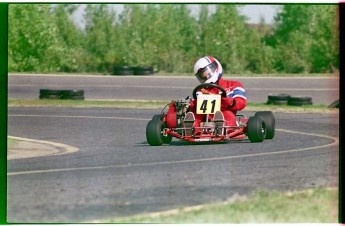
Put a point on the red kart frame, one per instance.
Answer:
(163, 127)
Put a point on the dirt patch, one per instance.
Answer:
(25, 149)
(28, 148)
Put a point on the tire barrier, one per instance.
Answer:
(145, 70)
(286, 99)
(129, 70)
(123, 70)
(72, 95)
(335, 104)
(49, 94)
(299, 101)
(62, 94)
(278, 99)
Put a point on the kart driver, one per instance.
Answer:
(208, 70)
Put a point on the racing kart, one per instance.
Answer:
(169, 123)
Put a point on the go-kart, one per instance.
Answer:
(169, 123)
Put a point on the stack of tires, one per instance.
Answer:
(72, 95)
(300, 100)
(129, 70)
(49, 94)
(278, 99)
(62, 94)
(286, 99)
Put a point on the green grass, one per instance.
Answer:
(157, 104)
(310, 206)
(11, 143)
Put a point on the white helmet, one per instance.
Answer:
(208, 70)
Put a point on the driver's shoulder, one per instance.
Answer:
(229, 83)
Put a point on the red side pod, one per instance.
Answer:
(171, 116)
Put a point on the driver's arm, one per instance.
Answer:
(236, 100)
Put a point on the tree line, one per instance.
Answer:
(43, 38)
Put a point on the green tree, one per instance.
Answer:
(72, 37)
(306, 38)
(100, 37)
(226, 37)
(261, 55)
(34, 43)
(135, 41)
(161, 35)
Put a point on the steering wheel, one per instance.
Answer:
(204, 85)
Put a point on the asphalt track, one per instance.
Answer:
(116, 173)
(323, 90)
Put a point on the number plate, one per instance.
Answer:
(208, 103)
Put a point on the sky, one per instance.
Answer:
(253, 11)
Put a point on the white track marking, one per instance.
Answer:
(67, 148)
(334, 143)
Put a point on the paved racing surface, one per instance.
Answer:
(116, 173)
(322, 90)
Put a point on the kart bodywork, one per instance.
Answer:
(163, 127)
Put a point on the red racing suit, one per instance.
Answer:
(235, 101)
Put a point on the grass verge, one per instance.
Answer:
(309, 206)
(11, 143)
(157, 104)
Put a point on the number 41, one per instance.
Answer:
(208, 104)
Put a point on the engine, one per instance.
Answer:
(177, 111)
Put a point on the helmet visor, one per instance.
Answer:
(206, 73)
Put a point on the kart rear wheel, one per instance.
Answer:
(166, 139)
(256, 130)
(269, 120)
(157, 117)
(154, 135)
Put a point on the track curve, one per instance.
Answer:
(115, 173)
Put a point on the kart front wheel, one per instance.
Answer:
(154, 135)
(269, 120)
(256, 129)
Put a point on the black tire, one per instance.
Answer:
(157, 117)
(166, 139)
(50, 92)
(128, 72)
(277, 102)
(256, 129)
(145, 70)
(300, 100)
(72, 97)
(72, 92)
(154, 133)
(123, 70)
(144, 73)
(300, 103)
(55, 97)
(278, 97)
(269, 120)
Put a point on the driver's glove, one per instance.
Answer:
(227, 102)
